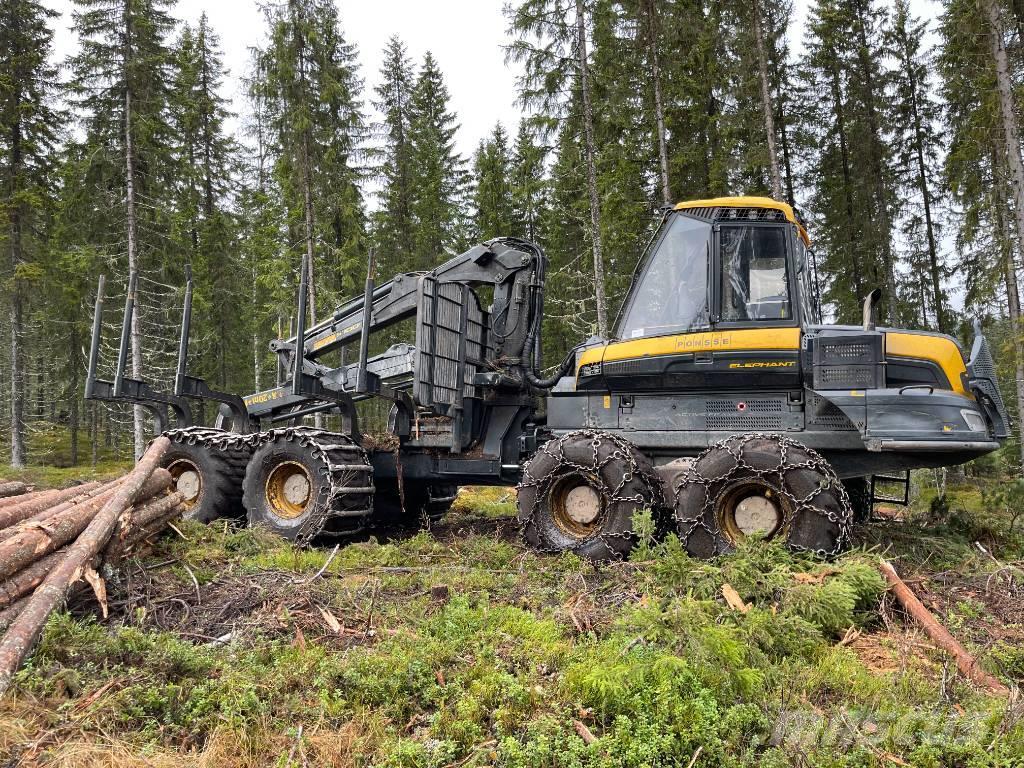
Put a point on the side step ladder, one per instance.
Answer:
(893, 481)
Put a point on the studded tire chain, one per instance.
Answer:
(335, 453)
(792, 455)
(639, 487)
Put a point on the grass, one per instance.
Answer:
(458, 647)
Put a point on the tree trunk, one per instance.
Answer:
(650, 12)
(17, 403)
(766, 103)
(889, 265)
(138, 414)
(591, 160)
(922, 180)
(74, 405)
(1011, 154)
(837, 95)
(307, 192)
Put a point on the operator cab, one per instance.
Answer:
(722, 263)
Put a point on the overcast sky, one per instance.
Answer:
(466, 37)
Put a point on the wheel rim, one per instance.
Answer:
(577, 507)
(288, 489)
(752, 508)
(188, 481)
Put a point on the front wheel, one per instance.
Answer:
(761, 485)
(580, 492)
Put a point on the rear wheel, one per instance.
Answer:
(303, 482)
(761, 485)
(209, 478)
(580, 491)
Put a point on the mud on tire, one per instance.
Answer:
(789, 491)
(580, 491)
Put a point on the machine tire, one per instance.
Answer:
(217, 474)
(616, 479)
(859, 491)
(296, 487)
(768, 484)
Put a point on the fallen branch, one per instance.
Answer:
(21, 636)
(965, 662)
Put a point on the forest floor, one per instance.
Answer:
(459, 647)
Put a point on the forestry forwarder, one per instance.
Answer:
(722, 404)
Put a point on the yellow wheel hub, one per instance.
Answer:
(289, 488)
(751, 509)
(576, 506)
(188, 481)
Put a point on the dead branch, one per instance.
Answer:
(965, 662)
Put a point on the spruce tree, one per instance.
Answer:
(28, 123)
(552, 44)
(493, 205)
(919, 147)
(120, 80)
(205, 164)
(529, 184)
(844, 141)
(393, 227)
(438, 173)
(311, 86)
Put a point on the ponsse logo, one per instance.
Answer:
(765, 364)
(704, 342)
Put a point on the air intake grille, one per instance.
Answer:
(744, 415)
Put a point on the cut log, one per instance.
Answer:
(36, 540)
(23, 510)
(11, 612)
(140, 523)
(21, 636)
(39, 515)
(965, 662)
(20, 499)
(13, 488)
(50, 530)
(27, 579)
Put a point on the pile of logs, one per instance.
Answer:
(50, 540)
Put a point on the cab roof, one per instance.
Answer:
(763, 203)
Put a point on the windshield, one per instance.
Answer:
(672, 294)
(755, 285)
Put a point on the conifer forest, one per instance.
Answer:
(893, 128)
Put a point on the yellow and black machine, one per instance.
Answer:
(722, 404)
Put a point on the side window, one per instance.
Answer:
(808, 306)
(754, 279)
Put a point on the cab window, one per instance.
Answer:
(754, 274)
(671, 295)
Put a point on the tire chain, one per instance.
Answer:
(335, 453)
(624, 450)
(686, 525)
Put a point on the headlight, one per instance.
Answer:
(974, 420)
